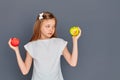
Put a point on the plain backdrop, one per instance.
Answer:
(99, 45)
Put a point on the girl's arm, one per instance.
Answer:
(72, 58)
(23, 65)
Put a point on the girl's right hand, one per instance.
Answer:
(12, 47)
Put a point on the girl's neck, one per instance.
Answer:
(42, 38)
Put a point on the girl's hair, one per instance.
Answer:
(40, 18)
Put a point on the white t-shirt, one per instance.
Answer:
(46, 58)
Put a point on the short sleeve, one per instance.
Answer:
(63, 44)
(28, 48)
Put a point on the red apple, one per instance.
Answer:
(15, 41)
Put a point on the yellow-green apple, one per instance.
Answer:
(74, 30)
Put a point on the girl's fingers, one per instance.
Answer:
(9, 42)
(79, 31)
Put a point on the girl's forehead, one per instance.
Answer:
(49, 21)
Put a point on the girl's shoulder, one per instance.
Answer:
(51, 40)
(30, 43)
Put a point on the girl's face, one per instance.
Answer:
(47, 28)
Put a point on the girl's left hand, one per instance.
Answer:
(78, 36)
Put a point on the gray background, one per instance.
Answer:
(99, 46)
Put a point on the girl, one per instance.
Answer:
(45, 50)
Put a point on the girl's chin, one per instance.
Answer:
(50, 35)
(47, 37)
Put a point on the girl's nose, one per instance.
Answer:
(51, 28)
